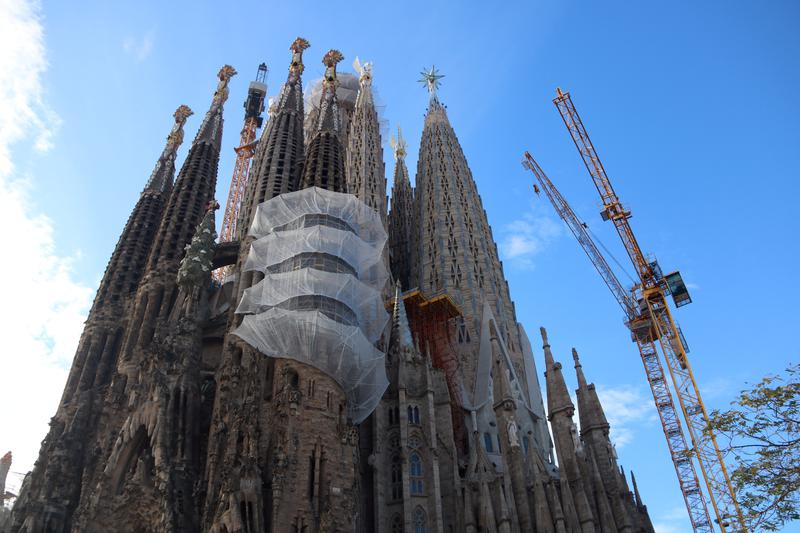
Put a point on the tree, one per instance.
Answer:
(761, 433)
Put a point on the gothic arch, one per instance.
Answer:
(420, 520)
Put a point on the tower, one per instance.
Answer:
(264, 405)
(366, 177)
(455, 254)
(54, 487)
(401, 221)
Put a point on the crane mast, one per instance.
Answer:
(654, 323)
(668, 414)
(254, 107)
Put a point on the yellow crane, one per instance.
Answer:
(651, 324)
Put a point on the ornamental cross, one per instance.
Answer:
(431, 79)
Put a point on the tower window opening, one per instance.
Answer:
(396, 478)
(417, 481)
(488, 443)
(420, 521)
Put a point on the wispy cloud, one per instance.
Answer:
(139, 47)
(627, 409)
(674, 520)
(524, 238)
(44, 307)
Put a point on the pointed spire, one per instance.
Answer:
(279, 154)
(401, 216)
(211, 129)
(366, 173)
(329, 118)
(325, 158)
(164, 171)
(399, 146)
(590, 410)
(557, 393)
(578, 369)
(636, 495)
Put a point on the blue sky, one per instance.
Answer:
(692, 106)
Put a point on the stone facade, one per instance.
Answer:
(171, 422)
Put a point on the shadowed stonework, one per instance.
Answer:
(358, 370)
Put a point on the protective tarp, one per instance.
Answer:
(275, 248)
(320, 313)
(339, 350)
(290, 207)
(363, 300)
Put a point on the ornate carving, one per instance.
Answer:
(224, 75)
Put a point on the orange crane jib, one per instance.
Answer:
(652, 326)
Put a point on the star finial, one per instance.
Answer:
(431, 79)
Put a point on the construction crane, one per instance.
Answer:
(645, 340)
(651, 324)
(253, 119)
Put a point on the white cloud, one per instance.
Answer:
(139, 48)
(674, 520)
(525, 237)
(43, 307)
(626, 407)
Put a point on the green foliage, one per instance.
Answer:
(761, 434)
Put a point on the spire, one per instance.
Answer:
(279, 154)
(211, 129)
(195, 185)
(590, 410)
(401, 216)
(636, 494)
(329, 118)
(325, 159)
(557, 393)
(161, 178)
(399, 146)
(366, 173)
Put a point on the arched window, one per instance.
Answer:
(487, 441)
(397, 524)
(416, 415)
(526, 442)
(410, 414)
(417, 481)
(396, 478)
(420, 521)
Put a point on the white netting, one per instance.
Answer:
(339, 350)
(320, 303)
(291, 207)
(275, 289)
(275, 248)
